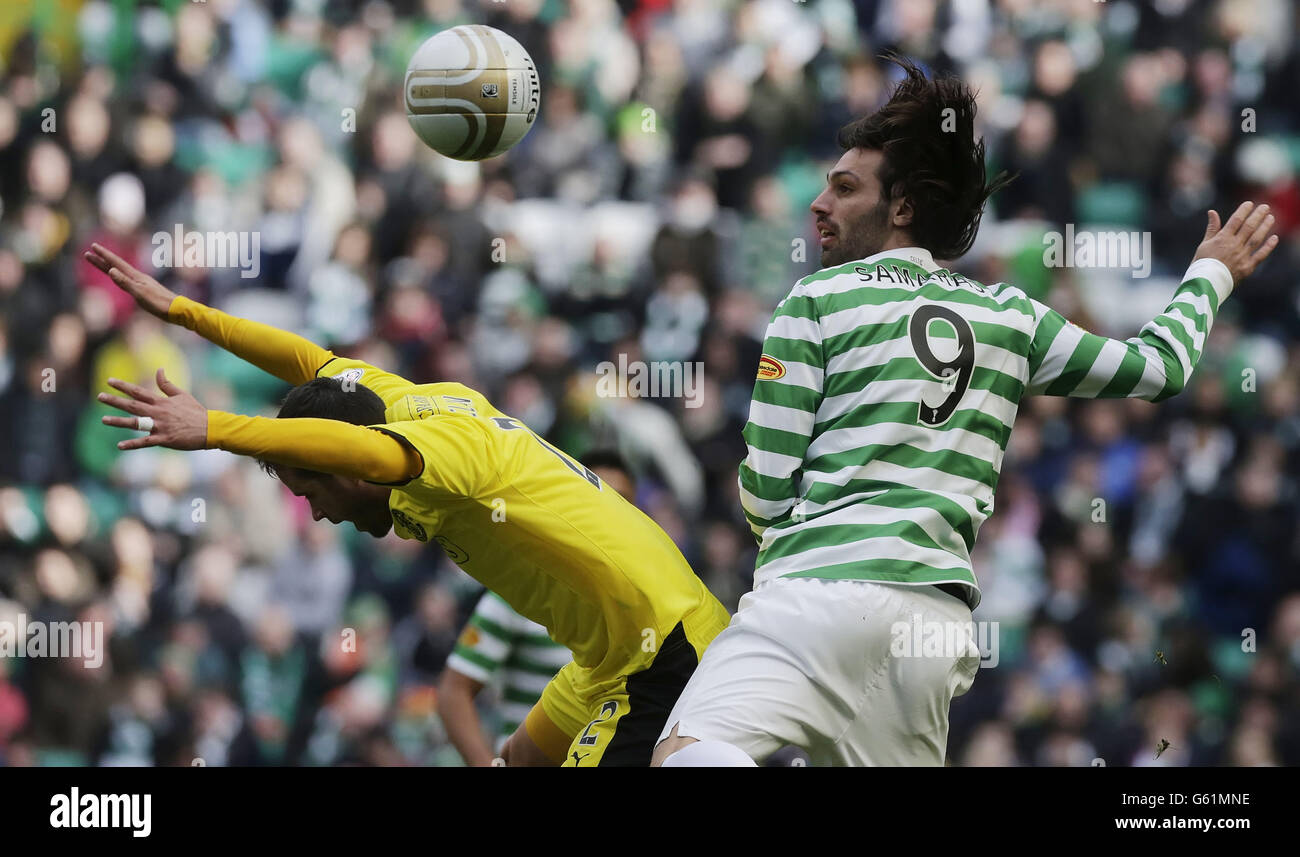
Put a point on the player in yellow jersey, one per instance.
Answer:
(437, 462)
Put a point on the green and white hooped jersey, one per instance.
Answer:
(498, 646)
(885, 397)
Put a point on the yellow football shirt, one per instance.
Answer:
(534, 525)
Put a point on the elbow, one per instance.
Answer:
(454, 688)
(391, 462)
(385, 473)
(1175, 383)
(456, 693)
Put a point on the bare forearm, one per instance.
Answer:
(285, 355)
(464, 729)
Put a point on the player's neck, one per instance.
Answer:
(897, 240)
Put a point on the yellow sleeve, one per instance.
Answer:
(325, 446)
(285, 355)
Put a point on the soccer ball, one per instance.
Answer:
(471, 92)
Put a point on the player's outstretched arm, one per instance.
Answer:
(787, 393)
(176, 420)
(1065, 360)
(285, 355)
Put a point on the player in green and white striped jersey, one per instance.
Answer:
(497, 646)
(885, 398)
(895, 383)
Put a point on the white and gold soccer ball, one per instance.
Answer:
(471, 92)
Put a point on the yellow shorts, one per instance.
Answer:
(617, 722)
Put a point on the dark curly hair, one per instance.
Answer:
(930, 157)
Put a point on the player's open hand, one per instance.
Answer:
(175, 419)
(152, 296)
(1241, 243)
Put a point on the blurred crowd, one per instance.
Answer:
(1143, 563)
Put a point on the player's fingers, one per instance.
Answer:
(126, 281)
(135, 391)
(1238, 217)
(113, 259)
(1252, 221)
(167, 386)
(129, 405)
(132, 423)
(141, 442)
(97, 260)
(1212, 225)
(1264, 250)
(1259, 233)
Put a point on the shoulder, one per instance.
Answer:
(998, 297)
(805, 296)
(1005, 293)
(826, 280)
(348, 369)
(441, 399)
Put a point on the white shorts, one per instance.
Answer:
(832, 666)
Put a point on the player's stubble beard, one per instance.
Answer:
(379, 518)
(859, 238)
(369, 511)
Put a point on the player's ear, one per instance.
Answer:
(901, 214)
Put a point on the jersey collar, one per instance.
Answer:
(918, 256)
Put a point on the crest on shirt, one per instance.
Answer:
(349, 379)
(769, 368)
(405, 522)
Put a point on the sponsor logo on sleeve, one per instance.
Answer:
(769, 369)
(454, 551)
